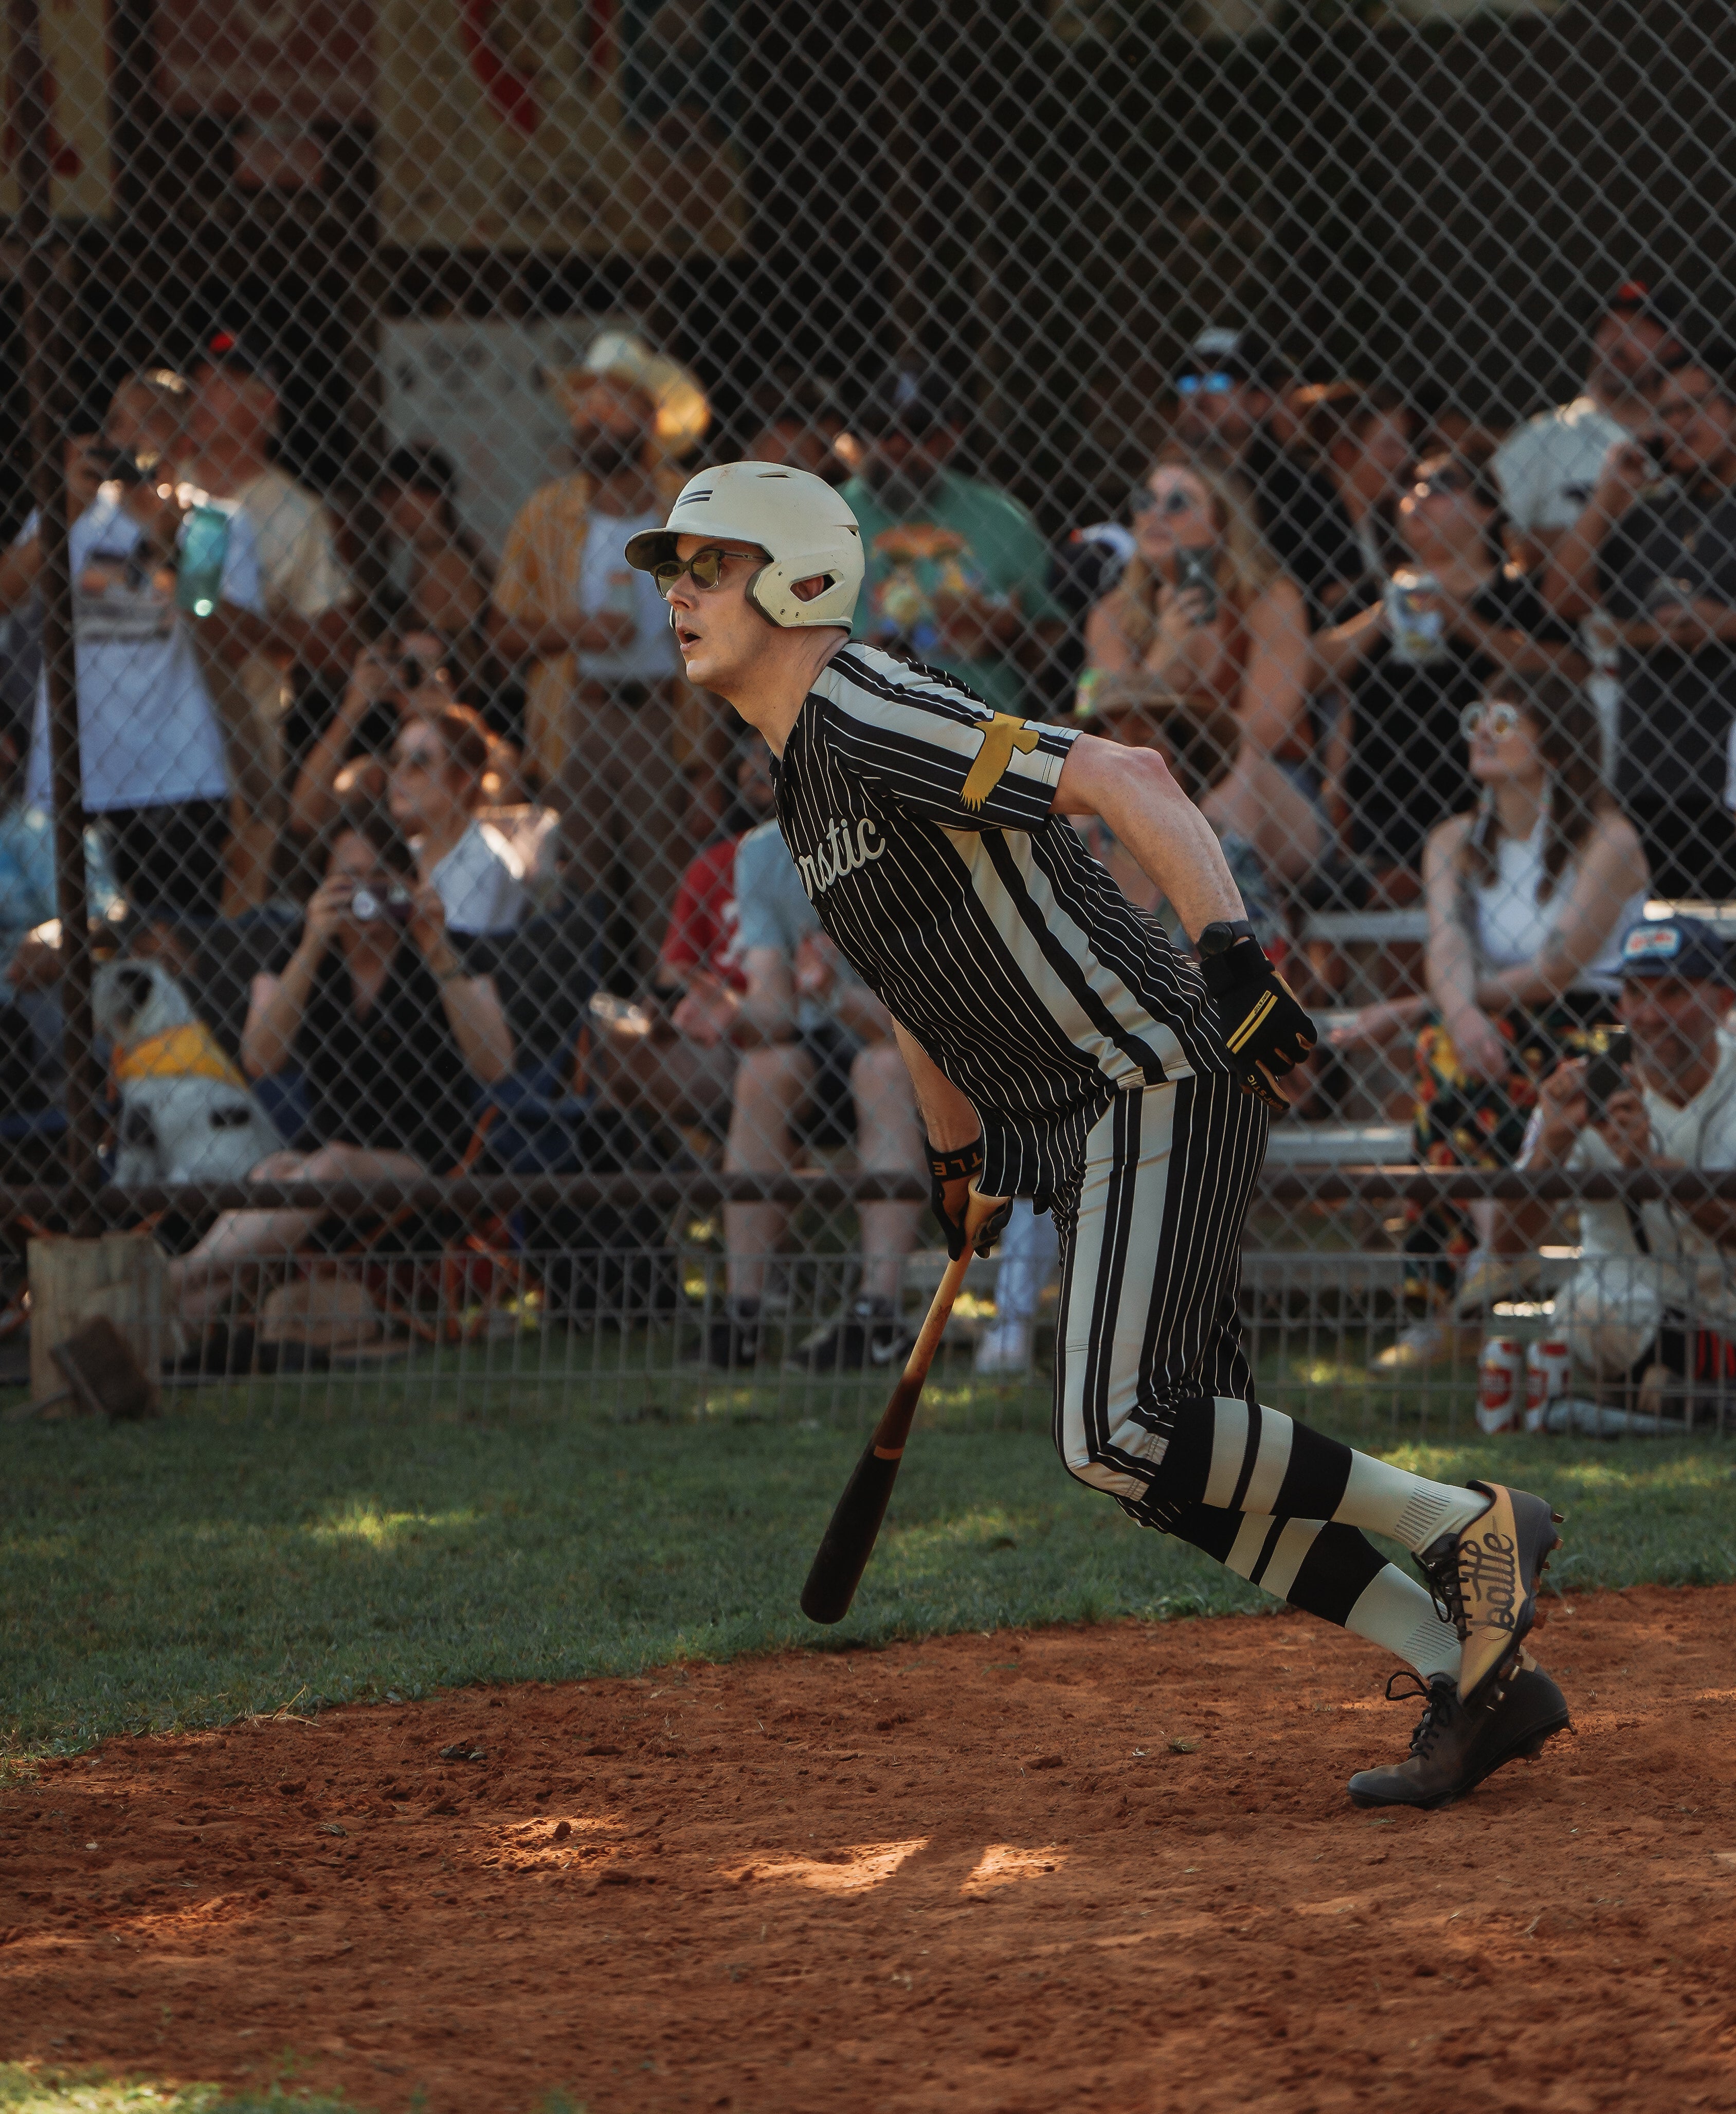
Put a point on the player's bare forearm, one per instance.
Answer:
(1132, 790)
(947, 1114)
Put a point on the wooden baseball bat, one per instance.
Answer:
(848, 1541)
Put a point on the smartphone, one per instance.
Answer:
(1196, 566)
(1606, 1074)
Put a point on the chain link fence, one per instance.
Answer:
(403, 974)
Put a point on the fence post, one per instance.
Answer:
(48, 368)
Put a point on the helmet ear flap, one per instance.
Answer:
(752, 591)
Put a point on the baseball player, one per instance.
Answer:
(1062, 1049)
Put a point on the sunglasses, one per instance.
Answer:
(425, 761)
(1443, 484)
(705, 569)
(1210, 385)
(1497, 721)
(1145, 500)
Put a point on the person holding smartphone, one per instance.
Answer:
(1654, 548)
(1203, 613)
(1651, 1308)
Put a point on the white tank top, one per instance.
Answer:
(1513, 919)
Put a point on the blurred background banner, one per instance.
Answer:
(549, 125)
(75, 53)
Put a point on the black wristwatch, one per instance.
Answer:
(1221, 936)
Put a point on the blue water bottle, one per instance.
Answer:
(205, 544)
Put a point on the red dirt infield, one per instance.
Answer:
(1112, 1868)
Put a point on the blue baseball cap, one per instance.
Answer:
(1684, 947)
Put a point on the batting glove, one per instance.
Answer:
(1265, 1029)
(950, 1175)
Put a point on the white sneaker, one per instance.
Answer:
(1004, 1347)
(1426, 1343)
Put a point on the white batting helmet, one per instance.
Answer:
(797, 519)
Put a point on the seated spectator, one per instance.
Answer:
(1230, 634)
(392, 1040)
(1364, 441)
(674, 1057)
(957, 570)
(442, 581)
(817, 1063)
(1201, 748)
(1548, 470)
(153, 743)
(1651, 1303)
(797, 425)
(402, 675)
(1529, 890)
(1458, 618)
(30, 940)
(440, 760)
(1230, 399)
(1658, 554)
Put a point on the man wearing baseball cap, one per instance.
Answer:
(957, 570)
(1229, 394)
(1652, 1302)
(1062, 1047)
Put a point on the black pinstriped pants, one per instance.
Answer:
(1149, 1367)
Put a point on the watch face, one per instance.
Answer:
(1216, 939)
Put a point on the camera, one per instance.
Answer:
(396, 906)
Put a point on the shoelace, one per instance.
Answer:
(1441, 1578)
(1438, 1699)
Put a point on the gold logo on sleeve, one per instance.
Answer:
(1001, 735)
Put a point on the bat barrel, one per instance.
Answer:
(849, 1539)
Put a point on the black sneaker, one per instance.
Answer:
(1457, 1745)
(732, 1338)
(864, 1337)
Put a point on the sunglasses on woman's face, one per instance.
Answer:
(1442, 483)
(705, 568)
(1175, 500)
(1208, 385)
(423, 761)
(1497, 721)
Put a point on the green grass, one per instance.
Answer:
(25, 2089)
(236, 1559)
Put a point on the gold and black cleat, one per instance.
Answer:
(1485, 1580)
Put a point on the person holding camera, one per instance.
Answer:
(1652, 1302)
(1656, 548)
(391, 1037)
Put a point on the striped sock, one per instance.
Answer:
(1229, 1456)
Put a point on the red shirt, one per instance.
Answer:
(703, 923)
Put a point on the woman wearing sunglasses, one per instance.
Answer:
(1204, 616)
(1529, 890)
(1429, 641)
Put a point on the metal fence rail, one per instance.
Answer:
(349, 341)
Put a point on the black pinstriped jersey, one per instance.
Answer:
(922, 825)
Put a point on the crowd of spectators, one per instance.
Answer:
(463, 824)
